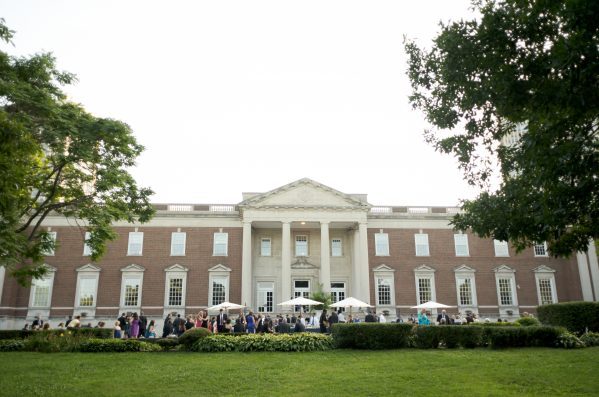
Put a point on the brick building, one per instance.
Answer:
(284, 243)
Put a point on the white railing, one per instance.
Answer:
(418, 210)
(381, 210)
(453, 210)
(179, 207)
(222, 208)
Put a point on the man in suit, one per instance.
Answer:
(370, 318)
(283, 327)
(333, 319)
(443, 318)
(221, 319)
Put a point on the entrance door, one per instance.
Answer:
(338, 292)
(265, 292)
(301, 288)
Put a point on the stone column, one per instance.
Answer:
(364, 268)
(286, 263)
(246, 265)
(325, 257)
(356, 281)
(594, 265)
(585, 279)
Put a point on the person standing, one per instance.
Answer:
(134, 327)
(422, 318)
(221, 320)
(333, 319)
(143, 323)
(250, 323)
(323, 322)
(443, 318)
(167, 328)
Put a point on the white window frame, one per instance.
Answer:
(132, 272)
(2, 274)
(49, 278)
(307, 243)
(462, 273)
(421, 239)
(175, 244)
(302, 290)
(215, 273)
(336, 291)
(544, 245)
(87, 250)
(387, 274)
(425, 272)
(134, 235)
(51, 236)
(501, 248)
(545, 273)
(263, 249)
(381, 244)
(461, 240)
(337, 251)
(87, 272)
(220, 239)
(265, 287)
(505, 272)
(175, 272)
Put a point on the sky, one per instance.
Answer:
(246, 96)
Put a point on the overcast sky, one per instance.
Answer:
(233, 96)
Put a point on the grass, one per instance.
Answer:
(513, 372)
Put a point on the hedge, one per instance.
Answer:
(372, 336)
(101, 333)
(116, 346)
(192, 335)
(264, 342)
(11, 345)
(575, 316)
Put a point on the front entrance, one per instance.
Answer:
(337, 292)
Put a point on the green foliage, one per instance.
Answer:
(543, 336)
(57, 158)
(590, 339)
(527, 321)
(104, 333)
(116, 346)
(11, 345)
(13, 334)
(166, 344)
(493, 324)
(321, 296)
(575, 316)
(192, 335)
(371, 335)
(568, 340)
(51, 342)
(520, 63)
(300, 342)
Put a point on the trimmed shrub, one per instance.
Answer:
(116, 346)
(542, 336)
(192, 335)
(527, 321)
(264, 342)
(103, 333)
(568, 340)
(372, 336)
(489, 324)
(575, 316)
(590, 339)
(14, 334)
(11, 345)
(166, 344)
(428, 336)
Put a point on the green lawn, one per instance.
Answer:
(514, 372)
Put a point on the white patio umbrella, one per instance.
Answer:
(432, 305)
(299, 301)
(350, 302)
(226, 306)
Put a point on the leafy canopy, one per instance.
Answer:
(526, 70)
(56, 158)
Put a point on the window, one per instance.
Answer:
(87, 291)
(218, 285)
(501, 248)
(175, 283)
(301, 245)
(337, 291)
(461, 244)
(41, 289)
(266, 247)
(381, 244)
(383, 291)
(545, 278)
(87, 288)
(336, 247)
(136, 242)
(131, 286)
(465, 291)
(424, 290)
(132, 291)
(421, 241)
(178, 243)
(87, 250)
(301, 288)
(384, 284)
(221, 242)
(540, 249)
(49, 237)
(505, 292)
(425, 284)
(265, 292)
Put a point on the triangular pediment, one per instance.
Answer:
(383, 268)
(424, 269)
(304, 193)
(219, 268)
(88, 268)
(464, 269)
(176, 268)
(543, 269)
(133, 268)
(504, 269)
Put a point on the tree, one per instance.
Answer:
(527, 70)
(56, 158)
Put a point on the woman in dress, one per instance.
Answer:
(422, 318)
(250, 323)
(134, 327)
(151, 330)
(117, 330)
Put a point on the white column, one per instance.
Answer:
(364, 269)
(585, 279)
(325, 257)
(356, 281)
(594, 265)
(286, 263)
(246, 265)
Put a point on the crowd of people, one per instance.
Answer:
(39, 325)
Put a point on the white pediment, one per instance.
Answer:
(49, 268)
(88, 268)
(383, 268)
(133, 268)
(464, 269)
(219, 268)
(543, 269)
(304, 193)
(424, 269)
(176, 268)
(504, 269)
